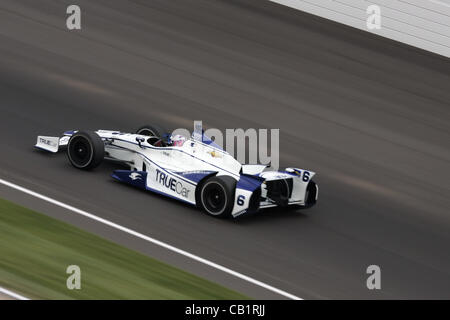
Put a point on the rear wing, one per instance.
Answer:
(51, 144)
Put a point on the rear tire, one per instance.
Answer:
(152, 130)
(155, 131)
(216, 196)
(85, 150)
(310, 197)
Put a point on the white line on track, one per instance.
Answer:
(12, 294)
(152, 240)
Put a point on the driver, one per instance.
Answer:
(177, 140)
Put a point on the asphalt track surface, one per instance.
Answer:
(370, 116)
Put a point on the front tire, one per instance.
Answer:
(85, 150)
(216, 196)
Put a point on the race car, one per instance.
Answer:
(194, 169)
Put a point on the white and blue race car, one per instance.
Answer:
(194, 170)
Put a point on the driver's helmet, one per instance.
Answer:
(177, 140)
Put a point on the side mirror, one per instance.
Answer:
(139, 141)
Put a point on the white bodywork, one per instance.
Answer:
(175, 171)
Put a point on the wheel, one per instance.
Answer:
(310, 197)
(155, 131)
(85, 150)
(216, 196)
(152, 130)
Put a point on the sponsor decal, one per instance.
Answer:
(171, 183)
(64, 140)
(196, 171)
(135, 176)
(215, 154)
(273, 175)
(47, 142)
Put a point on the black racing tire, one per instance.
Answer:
(85, 150)
(310, 197)
(216, 196)
(152, 130)
(155, 131)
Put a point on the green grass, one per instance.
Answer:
(35, 251)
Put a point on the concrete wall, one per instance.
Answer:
(420, 23)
